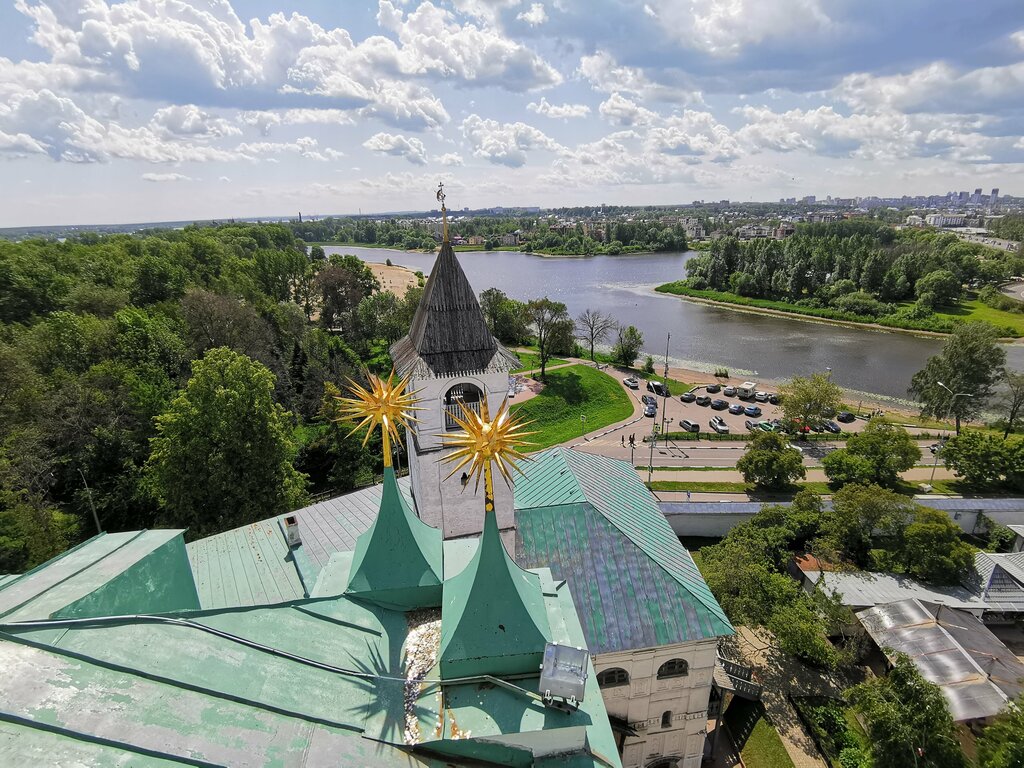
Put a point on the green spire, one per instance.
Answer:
(493, 621)
(397, 562)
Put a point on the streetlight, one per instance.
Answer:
(943, 438)
(583, 426)
(664, 405)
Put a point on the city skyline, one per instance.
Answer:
(134, 112)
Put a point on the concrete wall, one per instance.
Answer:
(645, 700)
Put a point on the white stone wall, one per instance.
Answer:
(446, 504)
(643, 702)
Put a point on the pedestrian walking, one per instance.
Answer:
(622, 440)
(687, 495)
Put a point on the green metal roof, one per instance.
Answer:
(397, 561)
(494, 620)
(116, 573)
(594, 523)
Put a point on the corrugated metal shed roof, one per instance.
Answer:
(973, 504)
(998, 579)
(253, 565)
(976, 673)
(77, 573)
(592, 521)
(5, 577)
(859, 589)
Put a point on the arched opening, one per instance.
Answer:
(673, 668)
(459, 399)
(609, 678)
(666, 719)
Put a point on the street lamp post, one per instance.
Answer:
(943, 438)
(583, 426)
(664, 405)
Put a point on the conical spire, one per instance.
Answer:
(493, 621)
(398, 561)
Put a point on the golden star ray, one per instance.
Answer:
(385, 404)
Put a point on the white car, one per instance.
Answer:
(631, 382)
(718, 425)
(761, 397)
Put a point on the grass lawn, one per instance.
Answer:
(722, 487)
(531, 361)
(569, 393)
(756, 738)
(971, 309)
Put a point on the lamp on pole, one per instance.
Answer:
(943, 438)
(583, 426)
(664, 405)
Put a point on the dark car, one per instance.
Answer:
(736, 409)
(657, 388)
(689, 426)
(713, 388)
(774, 399)
(687, 397)
(818, 427)
(845, 416)
(752, 410)
(648, 400)
(650, 410)
(832, 427)
(703, 400)
(719, 405)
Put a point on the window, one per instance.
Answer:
(673, 668)
(458, 400)
(666, 719)
(612, 677)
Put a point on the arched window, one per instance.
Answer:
(459, 399)
(611, 677)
(673, 668)
(666, 719)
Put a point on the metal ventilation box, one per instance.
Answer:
(291, 530)
(563, 673)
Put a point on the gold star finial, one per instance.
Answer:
(385, 404)
(483, 441)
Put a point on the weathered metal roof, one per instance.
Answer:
(976, 673)
(253, 565)
(861, 589)
(593, 522)
(107, 574)
(998, 579)
(449, 335)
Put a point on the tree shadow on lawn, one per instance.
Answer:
(568, 386)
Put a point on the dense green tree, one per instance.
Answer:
(1012, 399)
(887, 449)
(859, 514)
(932, 550)
(978, 457)
(844, 468)
(551, 326)
(770, 462)
(942, 284)
(1001, 744)
(907, 720)
(627, 345)
(970, 365)
(810, 400)
(223, 453)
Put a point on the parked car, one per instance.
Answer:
(657, 388)
(935, 448)
(752, 410)
(718, 424)
(736, 409)
(703, 400)
(687, 397)
(818, 426)
(832, 427)
(713, 388)
(719, 405)
(774, 399)
(845, 416)
(729, 391)
(796, 447)
(751, 425)
(689, 426)
(766, 426)
(631, 382)
(649, 400)
(650, 410)
(761, 397)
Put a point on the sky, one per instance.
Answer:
(163, 110)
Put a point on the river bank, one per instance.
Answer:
(751, 306)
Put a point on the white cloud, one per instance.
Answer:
(505, 143)
(488, 11)
(1018, 38)
(160, 177)
(411, 149)
(225, 179)
(535, 16)
(305, 146)
(619, 110)
(189, 121)
(558, 111)
(264, 120)
(450, 158)
(607, 75)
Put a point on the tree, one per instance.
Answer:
(770, 462)
(810, 400)
(223, 452)
(860, 513)
(971, 362)
(507, 318)
(886, 448)
(932, 549)
(594, 326)
(942, 284)
(1001, 744)
(908, 722)
(1013, 399)
(627, 346)
(844, 468)
(979, 458)
(550, 321)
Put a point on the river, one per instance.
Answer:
(703, 337)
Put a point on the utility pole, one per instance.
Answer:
(943, 438)
(665, 384)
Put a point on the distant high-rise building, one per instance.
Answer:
(809, 200)
(994, 197)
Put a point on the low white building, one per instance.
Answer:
(945, 219)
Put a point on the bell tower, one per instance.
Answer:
(454, 364)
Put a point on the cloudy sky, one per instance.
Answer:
(149, 110)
